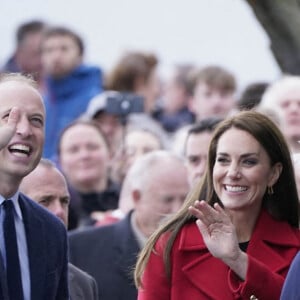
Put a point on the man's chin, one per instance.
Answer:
(58, 73)
(24, 170)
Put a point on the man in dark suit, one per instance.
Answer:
(47, 186)
(157, 184)
(41, 238)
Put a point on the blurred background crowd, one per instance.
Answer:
(112, 96)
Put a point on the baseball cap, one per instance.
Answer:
(98, 103)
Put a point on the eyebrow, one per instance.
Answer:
(194, 155)
(243, 155)
(38, 115)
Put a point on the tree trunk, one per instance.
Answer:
(281, 21)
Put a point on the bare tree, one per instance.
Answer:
(281, 21)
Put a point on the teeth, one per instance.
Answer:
(231, 188)
(20, 154)
(20, 147)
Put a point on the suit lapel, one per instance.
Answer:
(75, 290)
(267, 237)
(126, 247)
(199, 262)
(35, 235)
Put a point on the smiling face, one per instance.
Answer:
(24, 150)
(84, 157)
(242, 171)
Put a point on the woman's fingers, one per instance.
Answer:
(203, 229)
(207, 214)
(199, 211)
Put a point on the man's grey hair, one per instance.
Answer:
(18, 77)
(141, 170)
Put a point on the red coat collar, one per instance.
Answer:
(268, 235)
(267, 231)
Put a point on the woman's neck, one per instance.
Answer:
(244, 223)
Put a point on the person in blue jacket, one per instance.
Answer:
(69, 83)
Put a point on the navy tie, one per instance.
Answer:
(13, 270)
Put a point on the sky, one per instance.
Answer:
(203, 32)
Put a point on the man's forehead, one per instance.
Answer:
(14, 88)
(17, 81)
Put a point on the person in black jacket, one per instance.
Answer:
(158, 185)
(47, 186)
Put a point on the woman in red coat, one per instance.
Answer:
(239, 243)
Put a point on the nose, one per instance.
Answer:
(200, 168)
(23, 127)
(58, 210)
(234, 171)
(294, 106)
(83, 153)
(216, 99)
(55, 53)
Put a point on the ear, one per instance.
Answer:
(136, 196)
(191, 104)
(276, 171)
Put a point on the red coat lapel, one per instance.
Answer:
(198, 265)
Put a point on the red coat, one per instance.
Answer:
(197, 275)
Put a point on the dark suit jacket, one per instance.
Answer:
(82, 286)
(47, 252)
(108, 253)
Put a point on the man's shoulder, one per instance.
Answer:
(91, 233)
(97, 236)
(79, 274)
(78, 279)
(83, 71)
(10, 65)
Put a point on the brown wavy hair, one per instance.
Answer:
(282, 205)
(131, 67)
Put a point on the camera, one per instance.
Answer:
(122, 104)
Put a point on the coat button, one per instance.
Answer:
(252, 297)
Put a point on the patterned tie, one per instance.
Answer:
(13, 272)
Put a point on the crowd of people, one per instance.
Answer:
(161, 188)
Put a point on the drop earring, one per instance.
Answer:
(270, 190)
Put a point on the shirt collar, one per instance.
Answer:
(15, 201)
(141, 238)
